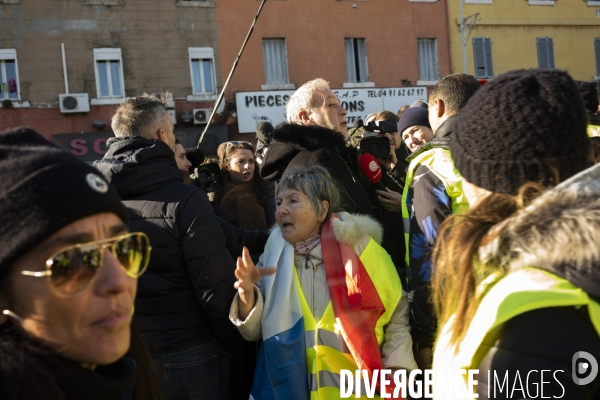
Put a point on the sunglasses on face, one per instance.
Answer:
(237, 143)
(71, 270)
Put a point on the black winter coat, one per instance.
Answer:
(301, 147)
(544, 339)
(183, 298)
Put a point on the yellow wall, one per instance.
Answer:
(514, 25)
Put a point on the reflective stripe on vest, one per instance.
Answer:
(326, 351)
(440, 163)
(519, 292)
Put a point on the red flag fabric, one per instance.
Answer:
(355, 300)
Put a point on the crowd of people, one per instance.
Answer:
(476, 249)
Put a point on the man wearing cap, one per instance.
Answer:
(432, 192)
(183, 302)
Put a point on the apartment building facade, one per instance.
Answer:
(113, 49)
(546, 34)
(376, 54)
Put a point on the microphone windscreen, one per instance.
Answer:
(264, 131)
(370, 168)
(196, 157)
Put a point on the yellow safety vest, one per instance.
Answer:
(440, 162)
(326, 350)
(593, 130)
(519, 292)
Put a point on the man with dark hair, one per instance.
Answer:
(446, 99)
(432, 192)
(183, 301)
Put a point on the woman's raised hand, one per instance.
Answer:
(247, 275)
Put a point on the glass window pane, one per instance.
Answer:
(196, 76)
(11, 80)
(103, 78)
(115, 77)
(207, 70)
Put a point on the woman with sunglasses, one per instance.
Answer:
(245, 197)
(68, 277)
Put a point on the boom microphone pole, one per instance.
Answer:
(235, 63)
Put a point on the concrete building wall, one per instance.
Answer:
(513, 27)
(315, 30)
(153, 36)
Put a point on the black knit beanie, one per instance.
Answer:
(43, 189)
(414, 115)
(523, 126)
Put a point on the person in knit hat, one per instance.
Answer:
(432, 193)
(68, 276)
(517, 267)
(414, 128)
(589, 93)
(531, 114)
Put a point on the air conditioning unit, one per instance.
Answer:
(74, 103)
(201, 115)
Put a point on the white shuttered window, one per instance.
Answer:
(356, 60)
(545, 49)
(275, 58)
(428, 59)
(482, 54)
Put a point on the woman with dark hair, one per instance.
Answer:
(329, 298)
(516, 282)
(68, 279)
(245, 197)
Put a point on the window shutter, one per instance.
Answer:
(428, 62)
(275, 61)
(350, 63)
(489, 65)
(479, 57)
(550, 44)
(597, 51)
(362, 60)
(545, 47)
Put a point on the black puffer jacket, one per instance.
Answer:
(183, 298)
(298, 146)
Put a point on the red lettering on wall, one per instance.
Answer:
(79, 147)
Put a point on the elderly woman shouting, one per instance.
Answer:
(330, 299)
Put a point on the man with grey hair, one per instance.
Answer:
(314, 103)
(183, 303)
(316, 135)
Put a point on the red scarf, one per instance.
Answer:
(355, 301)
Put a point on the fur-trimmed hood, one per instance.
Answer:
(290, 139)
(353, 228)
(307, 137)
(559, 232)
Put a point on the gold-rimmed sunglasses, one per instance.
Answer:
(72, 269)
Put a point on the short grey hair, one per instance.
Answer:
(317, 184)
(303, 99)
(139, 116)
